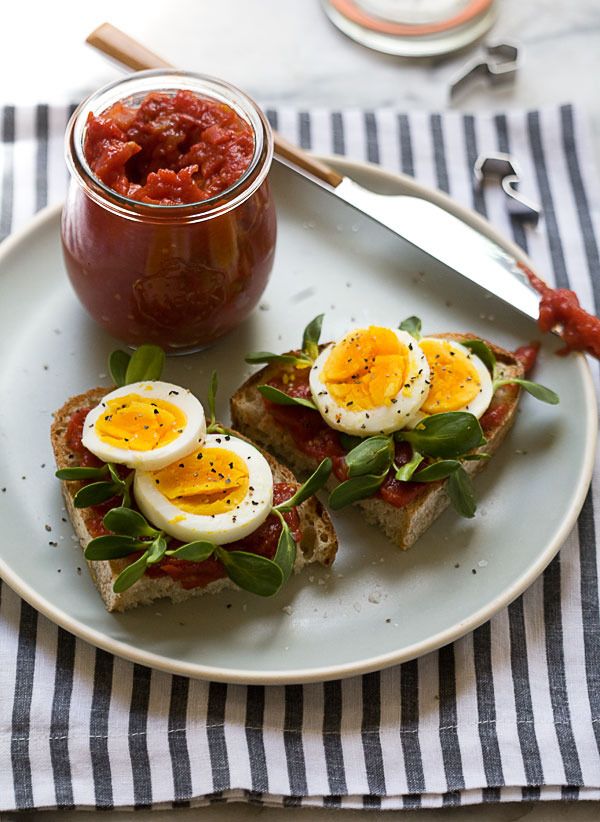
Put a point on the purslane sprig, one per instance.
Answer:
(109, 484)
(486, 355)
(442, 439)
(146, 363)
(213, 426)
(308, 354)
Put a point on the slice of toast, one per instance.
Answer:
(403, 526)
(318, 543)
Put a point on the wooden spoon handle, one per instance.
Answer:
(125, 50)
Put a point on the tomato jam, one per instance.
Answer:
(560, 308)
(170, 149)
(169, 226)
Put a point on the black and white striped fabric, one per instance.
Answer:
(509, 712)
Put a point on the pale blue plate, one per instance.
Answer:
(377, 606)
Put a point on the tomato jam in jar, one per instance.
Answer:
(169, 230)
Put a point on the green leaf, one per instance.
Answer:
(285, 556)
(261, 357)
(310, 338)
(349, 441)
(94, 494)
(146, 364)
(404, 472)
(316, 481)
(460, 490)
(437, 471)
(251, 572)
(355, 489)
(483, 351)
(212, 396)
(373, 456)
(540, 392)
(476, 457)
(157, 549)
(81, 473)
(445, 435)
(112, 546)
(412, 325)
(131, 574)
(125, 521)
(118, 363)
(273, 394)
(114, 475)
(193, 551)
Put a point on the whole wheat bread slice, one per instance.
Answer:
(318, 544)
(403, 526)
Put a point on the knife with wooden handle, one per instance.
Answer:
(420, 222)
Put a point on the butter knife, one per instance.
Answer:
(422, 223)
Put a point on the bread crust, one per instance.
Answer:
(318, 544)
(403, 526)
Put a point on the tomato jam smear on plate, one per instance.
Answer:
(171, 149)
(560, 308)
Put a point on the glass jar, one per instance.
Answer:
(179, 276)
(413, 28)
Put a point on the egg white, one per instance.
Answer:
(220, 529)
(192, 436)
(480, 403)
(383, 419)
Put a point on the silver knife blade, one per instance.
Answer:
(447, 239)
(441, 235)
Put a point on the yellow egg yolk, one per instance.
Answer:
(366, 369)
(209, 481)
(139, 423)
(454, 379)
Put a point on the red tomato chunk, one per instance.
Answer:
(172, 149)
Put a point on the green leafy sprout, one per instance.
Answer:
(307, 355)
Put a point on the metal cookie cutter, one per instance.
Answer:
(503, 169)
(498, 68)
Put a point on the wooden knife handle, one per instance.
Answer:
(128, 52)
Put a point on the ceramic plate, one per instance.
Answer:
(377, 606)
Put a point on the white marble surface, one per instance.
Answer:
(286, 52)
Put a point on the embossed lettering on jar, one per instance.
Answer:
(169, 226)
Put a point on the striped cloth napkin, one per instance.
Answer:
(509, 712)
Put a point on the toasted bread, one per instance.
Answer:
(403, 526)
(318, 544)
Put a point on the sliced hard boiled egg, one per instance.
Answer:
(459, 379)
(220, 493)
(372, 381)
(145, 425)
